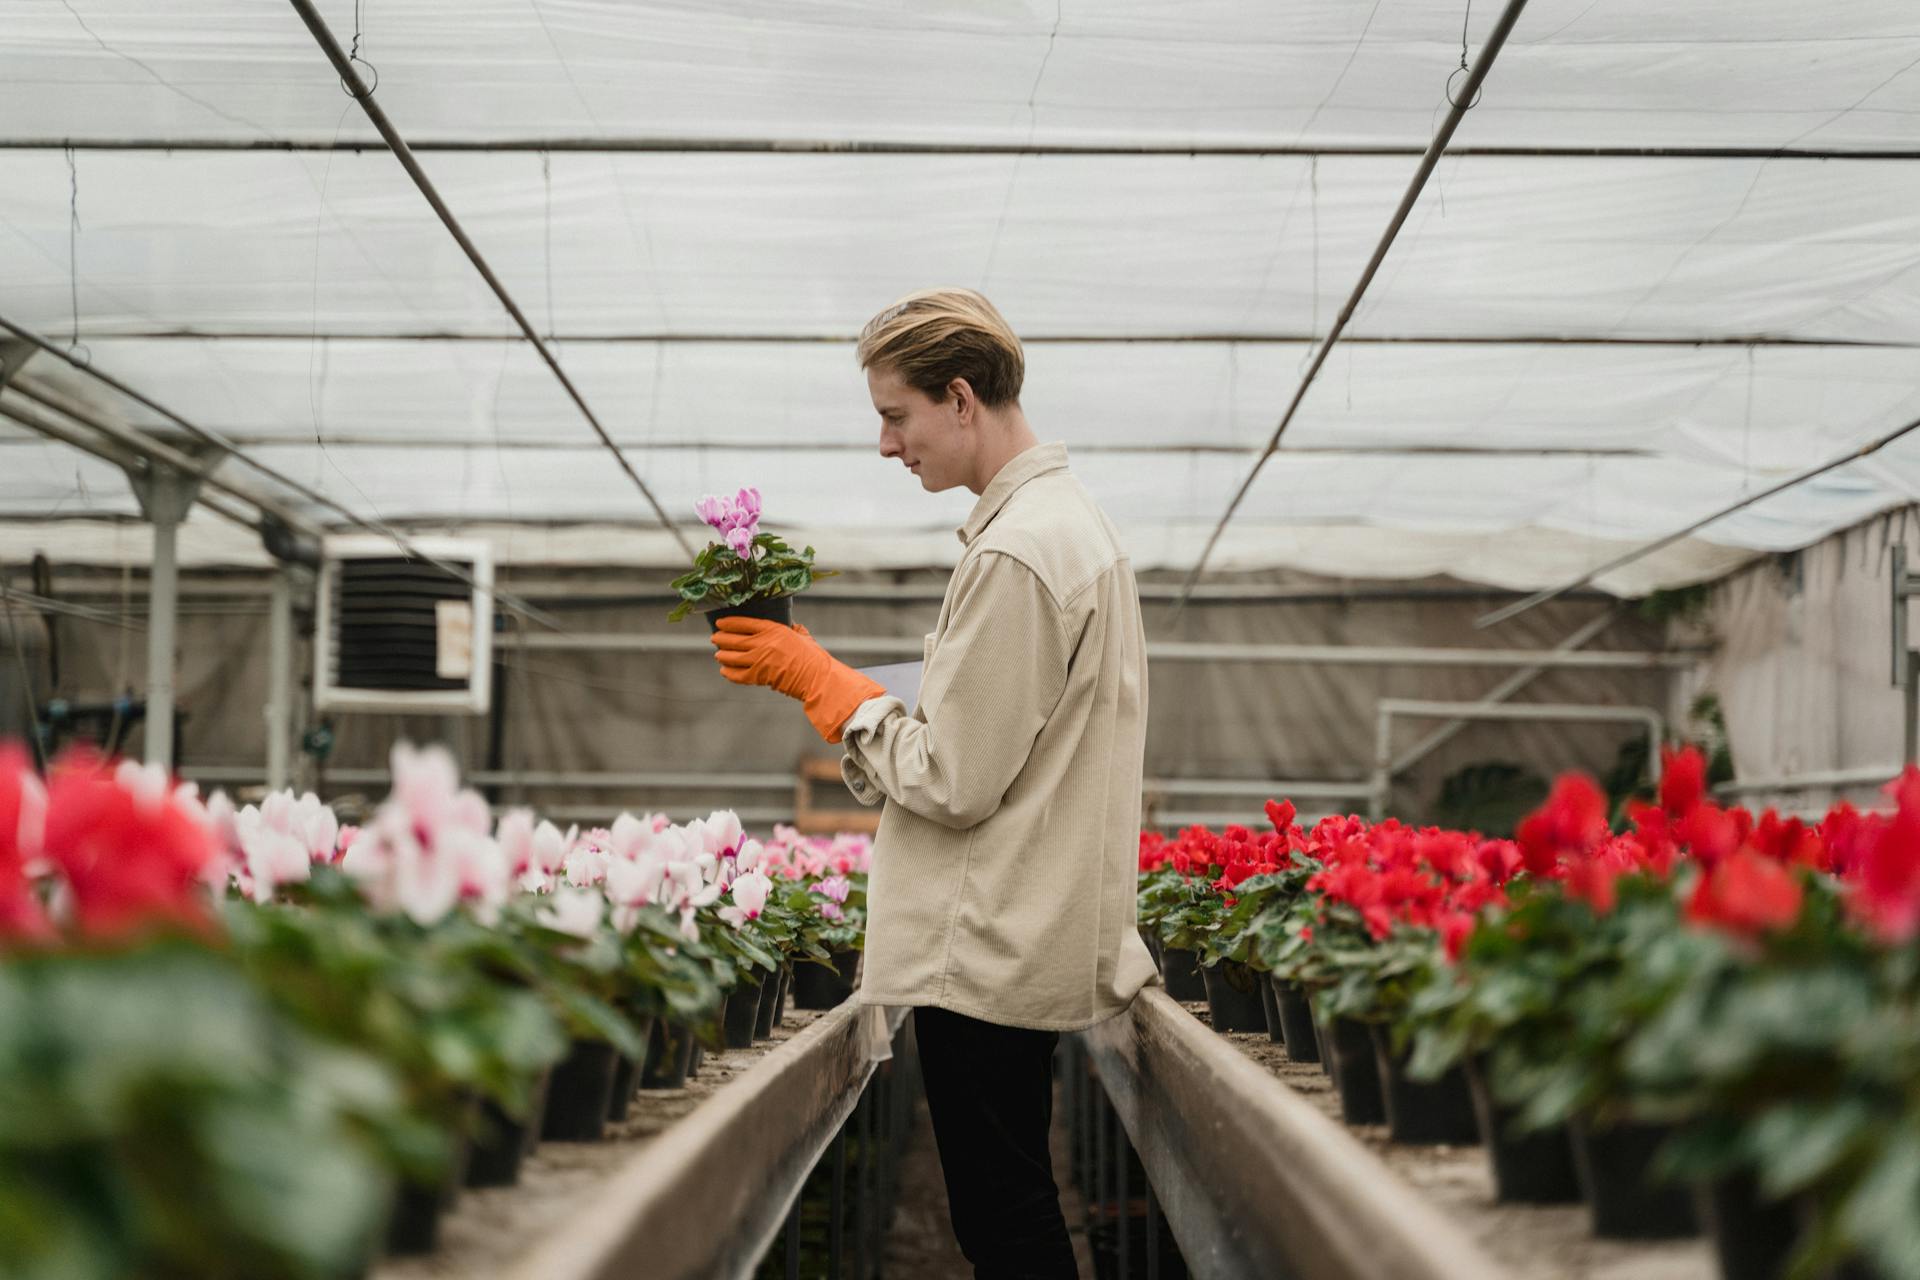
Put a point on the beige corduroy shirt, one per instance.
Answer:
(1004, 870)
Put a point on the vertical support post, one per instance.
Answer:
(1153, 1233)
(166, 495)
(163, 608)
(279, 681)
(863, 1219)
(793, 1236)
(837, 1204)
(1382, 764)
(1097, 1180)
(1911, 737)
(1122, 1198)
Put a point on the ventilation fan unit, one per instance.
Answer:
(399, 633)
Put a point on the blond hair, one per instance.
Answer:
(936, 335)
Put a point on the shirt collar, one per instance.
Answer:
(1042, 459)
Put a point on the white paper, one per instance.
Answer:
(902, 680)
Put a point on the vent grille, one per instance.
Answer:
(387, 628)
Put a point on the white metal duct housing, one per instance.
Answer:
(398, 633)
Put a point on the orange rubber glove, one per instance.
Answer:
(790, 661)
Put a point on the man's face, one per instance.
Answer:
(926, 435)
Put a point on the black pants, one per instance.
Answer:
(990, 1093)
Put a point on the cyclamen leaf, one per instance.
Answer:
(1880, 1212)
(1798, 1143)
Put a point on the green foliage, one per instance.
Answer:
(1489, 797)
(1676, 603)
(720, 578)
(158, 1117)
(1187, 912)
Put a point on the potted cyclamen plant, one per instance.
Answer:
(747, 572)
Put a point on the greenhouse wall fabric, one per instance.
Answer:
(1671, 263)
(628, 712)
(1803, 663)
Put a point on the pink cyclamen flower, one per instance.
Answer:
(834, 887)
(574, 911)
(750, 891)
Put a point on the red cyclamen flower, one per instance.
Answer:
(1745, 893)
(23, 812)
(131, 851)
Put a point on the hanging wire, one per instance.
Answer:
(74, 345)
(1313, 209)
(353, 54)
(1746, 433)
(1463, 69)
(546, 184)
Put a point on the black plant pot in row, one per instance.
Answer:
(1180, 969)
(1528, 1168)
(1421, 1112)
(1347, 1050)
(580, 1092)
(1233, 997)
(1614, 1164)
(823, 986)
(501, 1143)
(669, 1056)
(1270, 1006)
(742, 1011)
(1296, 1021)
(769, 1012)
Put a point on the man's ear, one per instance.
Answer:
(965, 403)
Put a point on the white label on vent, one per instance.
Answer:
(453, 641)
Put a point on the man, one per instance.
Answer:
(1001, 904)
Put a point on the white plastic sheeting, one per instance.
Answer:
(309, 305)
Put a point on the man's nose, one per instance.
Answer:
(889, 447)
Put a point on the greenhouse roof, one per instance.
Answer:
(1672, 258)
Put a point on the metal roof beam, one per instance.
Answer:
(641, 144)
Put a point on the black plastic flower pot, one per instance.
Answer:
(815, 986)
(1528, 1168)
(625, 1073)
(1296, 1021)
(413, 1228)
(1233, 997)
(580, 1093)
(501, 1142)
(1269, 1005)
(696, 1059)
(1181, 969)
(743, 1010)
(1355, 1074)
(669, 1056)
(769, 1005)
(1614, 1166)
(1752, 1238)
(777, 609)
(780, 1000)
(1421, 1112)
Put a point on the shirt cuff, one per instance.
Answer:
(866, 718)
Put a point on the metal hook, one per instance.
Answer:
(1453, 101)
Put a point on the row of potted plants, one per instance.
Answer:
(1707, 1019)
(251, 1041)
